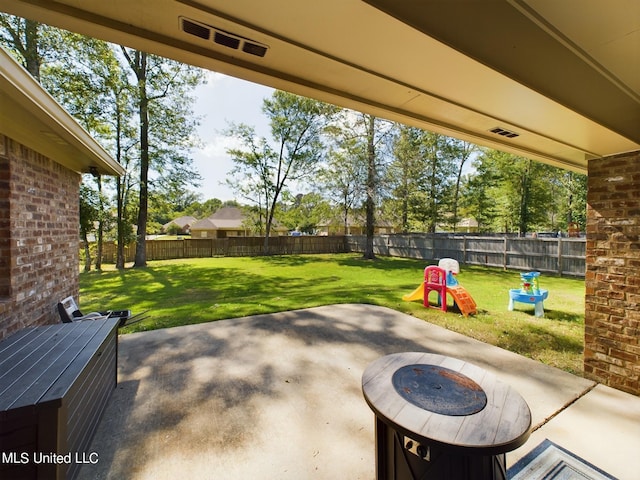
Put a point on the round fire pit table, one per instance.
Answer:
(438, 417)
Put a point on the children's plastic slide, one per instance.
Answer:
(460, 296)
(417, 294)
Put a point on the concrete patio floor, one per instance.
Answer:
(279, 397)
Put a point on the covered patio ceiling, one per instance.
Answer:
(556, 81)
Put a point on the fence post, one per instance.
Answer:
(560, 256)
(505, 256)
(464, 249)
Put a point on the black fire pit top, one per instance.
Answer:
(439, 390)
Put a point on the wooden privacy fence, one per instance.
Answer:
(563, 256)
(228, 247)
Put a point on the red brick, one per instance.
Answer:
(36, 187)
(613, 272)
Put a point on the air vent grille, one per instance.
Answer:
(220, 37)
(254, 49)
(504, 132)
(226, 40)
(195, 29)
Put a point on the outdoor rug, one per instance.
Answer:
(549, 461)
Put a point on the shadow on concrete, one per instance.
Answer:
(277, 396)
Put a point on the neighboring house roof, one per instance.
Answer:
(228, 213)
(204, 224)
(32, 117)
(226, 218)
(181, 222)
(226, 224)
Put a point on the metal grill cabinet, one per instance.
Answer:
(55, 382)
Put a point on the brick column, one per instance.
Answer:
(612, 302)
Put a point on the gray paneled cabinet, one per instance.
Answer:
(55, 382)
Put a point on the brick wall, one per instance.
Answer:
(612, 307)
(38, 236)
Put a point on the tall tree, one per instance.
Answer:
(138, 62)
(404, 174)
(343, 178)
(460, 153)
(478, 194)
(83, 77)
(363, 148)
(261, 171)
(435, 184)
(163, 97)
(371, 184)
(124, 144)
(422, 177)
(522, 192)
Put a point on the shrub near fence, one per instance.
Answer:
(228, 247)
(563, 256)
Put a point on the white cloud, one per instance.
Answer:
(217, 146)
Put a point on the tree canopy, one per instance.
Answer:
(320, 164)
(263, 169)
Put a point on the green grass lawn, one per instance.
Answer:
(180, 292)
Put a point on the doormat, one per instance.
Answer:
(549, 461)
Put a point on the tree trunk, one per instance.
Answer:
(100, 235)
(405, 205)
(371, 185)
(141, 246)
(120, 198)
(87, 252)
(523, 223)
(32, 56)
(120, 227)
(265, 247)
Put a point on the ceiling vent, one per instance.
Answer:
(504, 133)
(220, 37)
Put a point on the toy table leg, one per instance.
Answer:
(539, 309)
(511, 306)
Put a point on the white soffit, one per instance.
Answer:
(352, 53)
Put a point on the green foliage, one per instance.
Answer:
(423, 178)
(181, 292)
(507, 193)
(263, 171)
(89, 209)
(303, 213)
(26, 40)
(205, 209)
(174, 229)
(343, 178)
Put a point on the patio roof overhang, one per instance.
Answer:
(29, 115)
(554, 81)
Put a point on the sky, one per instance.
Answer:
(221, 101)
